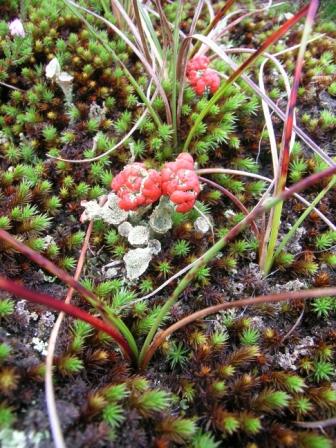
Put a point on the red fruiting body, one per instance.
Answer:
(200, 77)
(211, 80)
(198, 63)
(186, 192)
(180, 182)
(208, 79)
(136, 186)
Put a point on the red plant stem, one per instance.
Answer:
(141, 31)
(269, 243)
(52, 303)
(219, 15)
(282, 297)
(55, 425)
(233, 198)
(47, 265)
(81, 261)
(288, 128)
(296, 188)
(269, 41)
(147, 350)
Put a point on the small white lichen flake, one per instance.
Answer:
(124, 229)
(10, 438)
(229, 213)
(110, 212)
(161, 218)
(53, 69)
(154, 246)
(48, 240)
(138, 236)
(92, 210)
(112, 270)
(202, 224)
(65, 81)
(288, 360)
(137, 262)
(40, 346)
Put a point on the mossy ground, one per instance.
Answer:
(238, 379)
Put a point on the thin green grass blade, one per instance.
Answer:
(299, 132)
(141, 30)
(69, 280)
(275, 220)
(151, 30)
(167, 34)
(182, 64)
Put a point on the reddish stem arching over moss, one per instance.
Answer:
(52, 303)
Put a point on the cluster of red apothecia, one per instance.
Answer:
(200, 77)
(137, 186)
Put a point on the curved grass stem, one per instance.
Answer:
(89, 296)
(132, 80)
(273, 298)
(303, 216)
(212, 252)
(233, 198)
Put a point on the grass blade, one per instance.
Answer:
(116, 146)
(275, 220)
(54, 420)
(233, 198)
(165, 26)
(174, 71)
(182, 64)
(47, 265)
(151, 35)
(69, 280)
(299, 132)
(141, 30)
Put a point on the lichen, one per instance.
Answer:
(154, 246)
(63, 79)
(138, 236)
(137, 262)
(202, 224)
(161, 218)
(288, 360)
(110, 212)
(124, 228)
